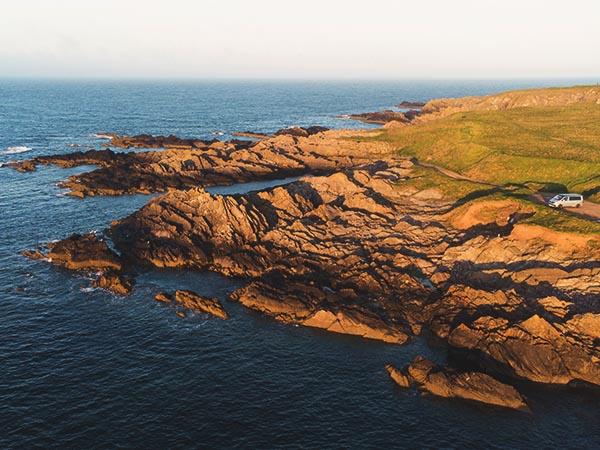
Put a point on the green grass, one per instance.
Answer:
(544, 148)
(453, 190)
(523, 150)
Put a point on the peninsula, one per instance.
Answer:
(434, 223)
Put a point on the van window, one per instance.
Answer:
(574, 198)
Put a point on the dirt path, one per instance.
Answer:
(588, 210)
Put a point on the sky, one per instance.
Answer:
(320, 39)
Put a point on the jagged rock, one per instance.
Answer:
(462, 301)
(535, 349)
(555, 306)
(301, 131)
(189, 163)
(193, 302)
(409, 104)
(33, 254)
(383, 117)
(300, 309)
(342, 229)
(163, 297)
(83, 252)
(114, 282)
(22, 166)
(475, 386)
(88, 253)
(250, 134)
(399, 377)
(149, 141)
(343, 253)
(353, 251)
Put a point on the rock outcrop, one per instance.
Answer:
(399, 376)
(149, 141)
(250, 134)
(83, 252)
(185, 164)
(354, 253)
(535, 349)
(88, 253)
(447, 383)
(383, 117)
(193, 302)
(321, 250)
(410, 104)
(115, 282)
(300, 131)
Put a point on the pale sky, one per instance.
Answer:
(300, 39)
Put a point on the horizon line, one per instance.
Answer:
(297, 79)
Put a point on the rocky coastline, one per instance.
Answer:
(352, 247)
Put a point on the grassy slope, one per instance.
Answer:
(546, 148)
(552, 149)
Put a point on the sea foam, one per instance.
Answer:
(16, 149)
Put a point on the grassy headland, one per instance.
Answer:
(522, 151)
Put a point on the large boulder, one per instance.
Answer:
(192, 301)
(448, 383)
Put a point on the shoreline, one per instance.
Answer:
(348, 249)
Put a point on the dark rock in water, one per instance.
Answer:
(88, 253)
(115, 282)
(383, 117)
(101, 158)
(399, 377)
(475, 386)
(193, 302)
(301, 131)
(83, 252)
(163, 297)
(250, 134)
(22, 166)
(409, 104)
(33, 254)
(149, 141)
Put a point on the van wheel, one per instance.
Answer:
(579, 205)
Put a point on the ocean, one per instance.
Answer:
(82, 368)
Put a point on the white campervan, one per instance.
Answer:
(566, 201)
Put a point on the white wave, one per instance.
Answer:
(218, 133)
(88, 289)
(102, 136)
(16, 149)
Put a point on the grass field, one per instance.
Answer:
(522, 151)
(553, 149)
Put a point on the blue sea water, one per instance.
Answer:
(81, 368)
